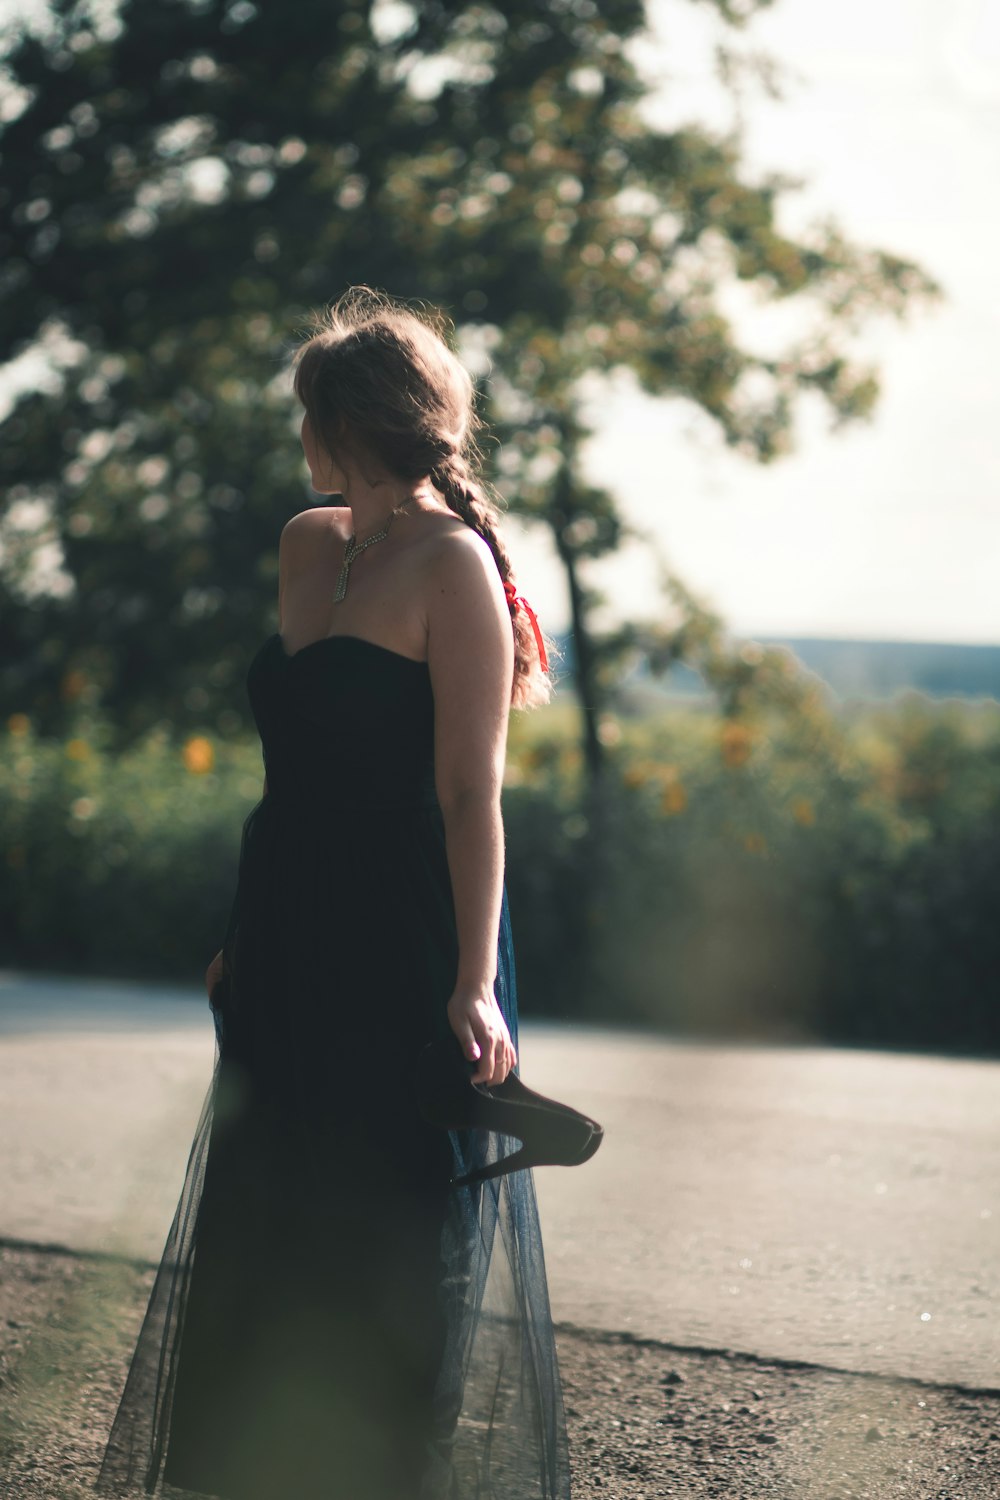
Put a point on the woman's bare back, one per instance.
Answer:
(386, 599)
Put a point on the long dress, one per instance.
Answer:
(331, 1320)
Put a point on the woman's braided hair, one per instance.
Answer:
(385, 374)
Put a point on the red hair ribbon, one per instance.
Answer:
(514, 598)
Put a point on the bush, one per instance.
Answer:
(772, 875)
(124, 865)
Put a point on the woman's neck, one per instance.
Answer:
(369, 513)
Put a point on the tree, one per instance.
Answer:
(183, 181)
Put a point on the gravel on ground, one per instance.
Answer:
(646, 1419)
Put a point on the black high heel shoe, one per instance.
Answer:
(551, 1134)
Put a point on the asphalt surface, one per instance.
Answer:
(835, 1206)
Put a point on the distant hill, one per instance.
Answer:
(879, 669)
(858, 670)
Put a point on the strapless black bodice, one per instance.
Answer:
(344, 723)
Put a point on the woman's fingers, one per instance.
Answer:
(485, 1040)
(497, 1055)
(487, 1054)
(467, 1036)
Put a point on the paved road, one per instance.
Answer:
(831, 1205)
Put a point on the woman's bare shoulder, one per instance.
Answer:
(460, 562)
(318, 519)
(451, 543)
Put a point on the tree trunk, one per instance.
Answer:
(587, 689)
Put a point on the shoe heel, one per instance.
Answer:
(533, 1153)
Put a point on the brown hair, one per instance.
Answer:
(388, 374)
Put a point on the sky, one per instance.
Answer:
(883, 531)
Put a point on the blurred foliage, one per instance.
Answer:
(182, 181)
(113, 862)
(766, 875)
(762, 874)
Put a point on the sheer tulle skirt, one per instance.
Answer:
(329, 1318)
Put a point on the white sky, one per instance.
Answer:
(890, 530)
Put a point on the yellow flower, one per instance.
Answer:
(18, 724)
(199, 755)
(674, 799)
(755, 843)
(634, 776)
(803, 811)
(78, 750)
(539, 757)
(736, 742)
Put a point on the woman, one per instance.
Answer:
(331, 1318)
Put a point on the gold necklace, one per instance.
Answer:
(352, 551)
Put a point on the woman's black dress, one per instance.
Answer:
(331, 1320)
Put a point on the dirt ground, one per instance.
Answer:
(645, 1419)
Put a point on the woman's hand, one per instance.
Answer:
(213, 973)
(477, 1021)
